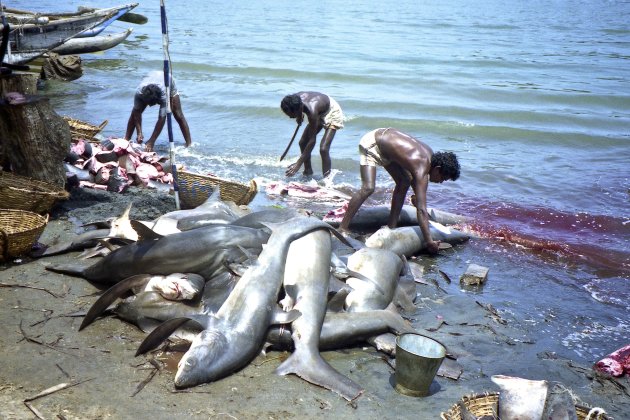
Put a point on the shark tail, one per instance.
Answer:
(314, 369)
(396, 323)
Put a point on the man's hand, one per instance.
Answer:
(292, 169)
(149, 146)
(433, 247)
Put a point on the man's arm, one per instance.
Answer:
(138, 121)
(420, 185)
(135, 123)
(316, 107)
(310, 133)
(159, 125)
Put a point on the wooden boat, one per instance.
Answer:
(91, 44)
(30, 40)
(17, 16)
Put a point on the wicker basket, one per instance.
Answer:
(24, 193)
(488, 405)
(194, 189)
(19, 230)
(83, 130)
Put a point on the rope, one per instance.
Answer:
(168, 76)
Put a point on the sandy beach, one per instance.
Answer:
(42, 347)
(532, 97)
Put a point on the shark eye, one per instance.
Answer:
(189, 363)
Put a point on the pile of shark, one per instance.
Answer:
(234, 282)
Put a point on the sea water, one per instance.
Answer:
(533, 97)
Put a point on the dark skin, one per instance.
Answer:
(314, 105)
(406, 154)
(135, 123)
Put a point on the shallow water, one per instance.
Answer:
(532, 97)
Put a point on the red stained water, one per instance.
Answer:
(597, 241)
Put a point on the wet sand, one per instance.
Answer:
(42, 347)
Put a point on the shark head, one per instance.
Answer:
(202, 362)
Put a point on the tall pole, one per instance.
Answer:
(167, 84)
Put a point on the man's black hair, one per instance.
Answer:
(448, 163)
(152, 94)
(291, 104)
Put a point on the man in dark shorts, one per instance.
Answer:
(410, 162)
(152, 92)
(321, 111)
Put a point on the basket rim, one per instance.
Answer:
(210, 177)
(61, 193)
(29, 213)
(85, 123)
(493, 396)
(245, 192)
(18, 242)
(32, 182)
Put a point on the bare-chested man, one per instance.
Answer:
(410, 162)
(321, 111)
(151, 91)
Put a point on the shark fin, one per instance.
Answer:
(144, 233)
(282, 317)
(360, 276)
(161, 333)
(73, 269)
(113, 293)
(337, 302)
(314, 369)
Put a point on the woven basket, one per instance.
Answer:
(194, 189)
(83, 130)
(488, 405)
(19, 230)
(24, 193)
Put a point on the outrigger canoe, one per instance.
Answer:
(91, 44)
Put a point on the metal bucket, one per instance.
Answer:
(418, 359)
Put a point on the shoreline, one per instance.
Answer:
(44, 348)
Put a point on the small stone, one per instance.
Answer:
(474, 275)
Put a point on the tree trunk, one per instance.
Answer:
(34, 139)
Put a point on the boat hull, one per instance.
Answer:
(91, 44)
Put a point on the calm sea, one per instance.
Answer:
(533, 97)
